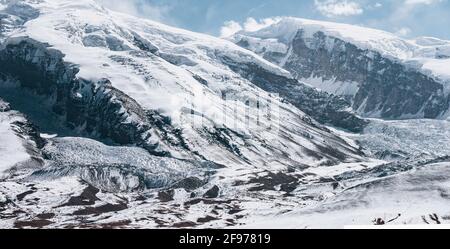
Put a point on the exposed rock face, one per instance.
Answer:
(94, 109)
(323, 107)
(377, 86)
(385, 86)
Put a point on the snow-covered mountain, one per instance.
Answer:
(143, 72)
(108, 120)
(176, 106)
(380, 73)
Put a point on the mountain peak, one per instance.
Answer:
(284, 30)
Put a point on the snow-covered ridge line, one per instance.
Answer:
(286, 28)
(90, 8)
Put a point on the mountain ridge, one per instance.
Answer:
(351, 61)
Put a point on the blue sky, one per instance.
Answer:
(408, 18)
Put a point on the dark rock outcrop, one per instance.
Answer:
(94, 109)
(324, 107)
(212, 193)
(385, 86)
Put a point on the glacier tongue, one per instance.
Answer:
(115, 169)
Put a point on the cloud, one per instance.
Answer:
(230, 28)
(250, 25)
(137, 8)
(403, 31)
(334, 8)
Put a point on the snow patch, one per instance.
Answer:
(332, 86)
(410, 198)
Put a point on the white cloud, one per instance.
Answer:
(403, 31)
(374, 6)
(250, 25)
(333, 8)
(230, 28)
